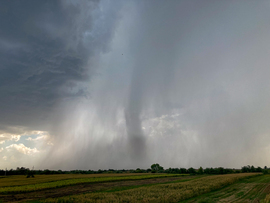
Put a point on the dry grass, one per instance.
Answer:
(173, 192)
(253, 189)
(266, 200)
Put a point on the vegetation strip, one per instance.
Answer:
(172, 192)
(253, 189)
(86, 188)
(62, 183)
(147, 185)
(17, 180)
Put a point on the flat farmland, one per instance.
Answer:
(20, 189)
(253, 189)
(243, 187)
(15, 181)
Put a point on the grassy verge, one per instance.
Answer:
(172, 192)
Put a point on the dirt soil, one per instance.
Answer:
(83, 188)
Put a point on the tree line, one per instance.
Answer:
(155, 168)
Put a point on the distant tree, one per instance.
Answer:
(173, 170)
(177, 170)
(200, 171)
(220, 170)
(265, 167)
(138, 170)
(156, 168)
(183, 170)
(207, 171)
(21, 171)
(252, 169)
(99, 171)
(245, 169)
(47, 171)
(30, 174)
(259, 169)
(148, 170)
(191, 170)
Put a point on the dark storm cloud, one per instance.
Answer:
(45, 47)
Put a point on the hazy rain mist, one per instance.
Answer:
(124, 84)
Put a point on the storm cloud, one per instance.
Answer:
(45, 52)
(124, 84)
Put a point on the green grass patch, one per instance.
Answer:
(239, 194)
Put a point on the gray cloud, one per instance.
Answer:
(45, 52)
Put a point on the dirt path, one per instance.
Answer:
(83, 188)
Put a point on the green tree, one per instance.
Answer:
(191, 170)
(200, 171)
(259, 169)
(156, 168)
(220, 170)
(138, 170)
(30, 174)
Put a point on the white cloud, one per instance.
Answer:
(16, 133)
(5, 158)
(1, 149)
(42, 137)
(22, 149)
(50, 143)
(7, 136)
(37, 132)
(15, 137)
(163, 125)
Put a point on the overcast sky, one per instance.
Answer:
(128, 83)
